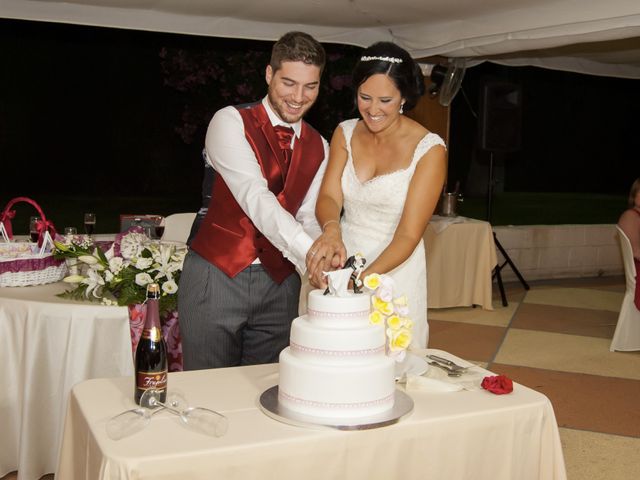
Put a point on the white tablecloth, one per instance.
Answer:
(47, 345)
(457, 435)
(460, 262)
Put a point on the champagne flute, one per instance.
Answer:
(128, 422)
(89, 223)
(200, 419)
(136, 419)
(205, 420)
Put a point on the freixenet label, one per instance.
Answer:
(148, 380)
(154, 334)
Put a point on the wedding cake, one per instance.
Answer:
(335, 365)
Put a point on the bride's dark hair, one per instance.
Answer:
(382, 57)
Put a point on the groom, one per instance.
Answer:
(239, 288)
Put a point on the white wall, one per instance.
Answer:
(560, 251)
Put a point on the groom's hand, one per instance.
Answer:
(317, 277)
(322, 254)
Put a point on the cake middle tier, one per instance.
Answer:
(356, 345)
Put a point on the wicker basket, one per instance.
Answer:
(22, 264)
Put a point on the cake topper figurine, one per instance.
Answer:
(338, 280)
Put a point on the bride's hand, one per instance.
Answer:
(326, 253)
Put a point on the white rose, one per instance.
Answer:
(143, 279)
(143, 263)
(116, 264)
(170, 287)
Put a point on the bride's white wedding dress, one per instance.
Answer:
(372, 211)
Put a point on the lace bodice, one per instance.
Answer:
(376, 205)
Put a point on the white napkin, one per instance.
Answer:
(436, 380)
(425, 384)
(439, 224)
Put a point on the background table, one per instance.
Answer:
(455, 435)
(47, 345)
(460, 262)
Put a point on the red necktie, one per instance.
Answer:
(284, 135)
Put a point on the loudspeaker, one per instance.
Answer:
(500, 118)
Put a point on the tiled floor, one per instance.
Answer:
(555, 339)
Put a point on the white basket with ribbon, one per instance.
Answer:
(24, 264)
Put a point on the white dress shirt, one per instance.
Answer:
(231, 156)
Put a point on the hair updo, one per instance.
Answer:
(406, 75)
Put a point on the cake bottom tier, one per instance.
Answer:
(332, 391)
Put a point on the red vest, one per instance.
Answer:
(227, 238)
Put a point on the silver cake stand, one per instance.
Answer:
(269, 405)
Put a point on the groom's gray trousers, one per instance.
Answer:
(226, 321)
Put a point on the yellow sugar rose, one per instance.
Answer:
(394, 322)
(400, 340)
(372, 281)
(385, 307)
(376, 318)
(403, 300)
(407, 323)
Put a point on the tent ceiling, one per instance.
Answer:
(579, 35)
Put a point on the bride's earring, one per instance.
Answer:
(401, 108)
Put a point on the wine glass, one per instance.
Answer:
(33, 229)
(159, 227)
(72, 263)
(89, 223)
(200, 419)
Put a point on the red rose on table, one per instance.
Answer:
(498, 384)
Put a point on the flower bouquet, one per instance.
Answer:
(120, 275)
(390, 312)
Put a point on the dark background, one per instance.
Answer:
(579, 132)
(114, 120)
(120, 111)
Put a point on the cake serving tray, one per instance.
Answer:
(269, 404)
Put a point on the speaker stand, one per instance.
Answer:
(507, 260)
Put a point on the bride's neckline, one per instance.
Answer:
(382, 175)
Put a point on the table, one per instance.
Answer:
(47, 345)
(460, 262)
(455, 435)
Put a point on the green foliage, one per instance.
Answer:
(123, 279)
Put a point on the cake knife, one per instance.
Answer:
(447, 362)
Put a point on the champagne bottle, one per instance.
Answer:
(151, 354)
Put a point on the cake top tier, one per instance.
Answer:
(349, 304)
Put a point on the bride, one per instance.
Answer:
(385, 175)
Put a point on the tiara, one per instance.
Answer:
(382, 59)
